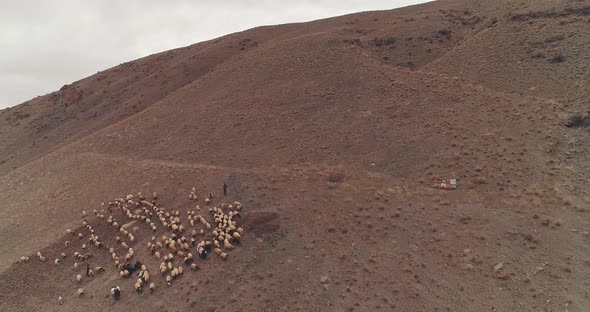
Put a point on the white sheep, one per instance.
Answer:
(60, 300)
(78, 278)
(80, 292)
(67, 243)
(56, 261)
(227, 245)
(168, 280)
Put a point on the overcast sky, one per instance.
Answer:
(45, 44)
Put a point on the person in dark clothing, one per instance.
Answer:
(87, 269)
(224, 189)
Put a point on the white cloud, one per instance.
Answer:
(46, 44)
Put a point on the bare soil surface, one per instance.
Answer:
(329, 133)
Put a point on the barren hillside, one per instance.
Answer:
(329, 133)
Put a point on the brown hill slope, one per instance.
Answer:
(330, 133)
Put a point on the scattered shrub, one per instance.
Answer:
(554, 39)
(409, 65)
(522, 17)
(384, 41)
(352, 41)
(578, 121)
(336, 177)
(557, 59)
(445, 32)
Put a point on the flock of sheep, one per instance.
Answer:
(173, 248)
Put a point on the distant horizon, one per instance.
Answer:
(45, 63)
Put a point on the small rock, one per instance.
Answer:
(323, 278)
(503, 274)
(498, 266)
(465, 219)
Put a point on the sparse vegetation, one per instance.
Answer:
(384, 41)
(336, 177)
(445, 32)
(578, 121)
(557, 59)
(522, 17)
(554, 39)
(408, 64)
(352, 41)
